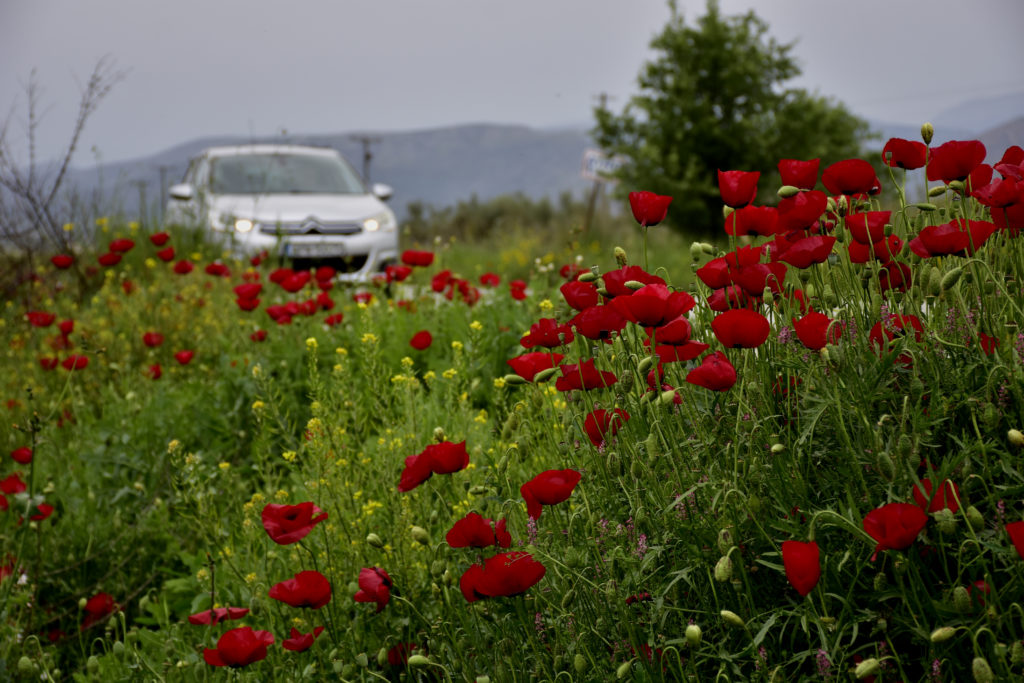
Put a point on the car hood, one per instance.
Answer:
(286, 208)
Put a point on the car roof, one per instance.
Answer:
(235, 150)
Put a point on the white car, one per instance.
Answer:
(305, 204)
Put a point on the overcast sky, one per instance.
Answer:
(212, 67)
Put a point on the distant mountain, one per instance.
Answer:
(997, 139)
(438, 166)
(982, 114)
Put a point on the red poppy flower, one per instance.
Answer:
(894, 526)
(807, 251)
(816, 330)
(166, 255)
(715, 373)
(598, 322)
(154, 371)
(97, 608)
(1016, 532)
(959, 237)
(675, 331)
(183, 267)
(49, 362)
(989, 344)
(475, 531)
(66, 327)
(999, 193)
(955, 160)
(504, 575)
(580, 295)
(398, 655)
(868, 227)
(802, 174)
(258, 335)
(548, 333)
(737, 188)
(908, 154)
(109, 259)
(548, 488)
(62, 261)
(649, 208)
(374, 586)
(761, 221)
(894, 326)
(895, 276)
(802, 563)
(651, 305)
(287, 524)
(851, 177)
(159, 239)
(42, 511)
(239, 647)
(883, 250)
(602, 424)
(517, 288)
(40, 318)
(213, 617)
(490, 280)
(152, 339)
(948, 496)
(421, 340)
(12, 484)
(801, 211)
(184, 357)
(422, 259)
(334, 320)
(397, 273)
(733, 296)
(673, 353)
(22, 456)
(529, 364)
(615, 280)
(441, 458)
(741, 328)
(753, 278)
(300, 642)
(307, 589)
(122, 246)
(74, 362)
(584, 376)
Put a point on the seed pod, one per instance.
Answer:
(725, 541)
(620, 257)
(942, 634)
(693, 635)
(695, 251)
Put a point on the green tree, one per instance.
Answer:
(713, 98)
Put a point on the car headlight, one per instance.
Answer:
(385, 220)
(243, 225)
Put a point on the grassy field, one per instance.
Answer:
(797, 469)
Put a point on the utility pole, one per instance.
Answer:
(366, 141)
(143, 209)
(164, 168)
(602, 104)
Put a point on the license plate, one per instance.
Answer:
(314, 250)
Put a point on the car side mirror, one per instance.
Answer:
(182, 191)
(382, 191)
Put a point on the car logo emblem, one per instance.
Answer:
(311, 226)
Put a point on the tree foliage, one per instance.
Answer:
(713, 98)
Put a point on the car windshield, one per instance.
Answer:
(283, 173)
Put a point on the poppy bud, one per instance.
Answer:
(942, 634)
(981, 670)
(645, 364)
(420, 535)
(636, 470)
(623, 669)
(483, 679)
(823, 352)
(885, 466)
(667, 397)
(957, 186)
(92, 665)
(724, 541)
(362, 660)
(545, 375)
(118, 648)
(843, 205)
(961, 600)
(927, 132)
(374, 540)
(1015, 437)
(382, 657)
(868, 667)
(926, 206)
(727, 211)
(945, 520)
(695, 251)
(344, 670)
(723, 569)
(1017, 653)
(899, 567)
(588, 276)
(951, 278)
(768, 295)
(439, 436)
(580, 663)
(620, 257)
(974, 519)
(935, 282)
(568, 599)
(653, 445)
(417, 660)
(693, 635)
(787, 191)
(437, 568)
(26, 666)
(634, 284)
(82, 602)
(878, 583)
(732, 619)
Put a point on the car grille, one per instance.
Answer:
(310, 227)
(348, 264)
